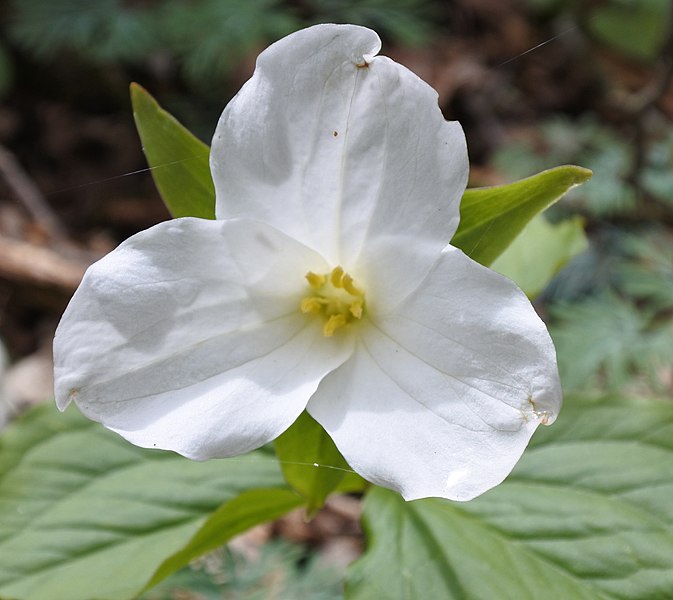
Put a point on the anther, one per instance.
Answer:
(312, 304)
(335, 297)
(333, 323)
(314, 280)
(347, 282)
(336, 277)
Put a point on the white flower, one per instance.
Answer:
(209, 338)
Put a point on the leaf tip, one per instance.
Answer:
(136, 89)
(581, 174)
(140, 97)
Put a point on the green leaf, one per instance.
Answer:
(540, 251)
(491, 217)
(311, 463)
(179, 161)
(352, 483)
(587, 515)
(232, 518)
(609, 342)
(84, 514)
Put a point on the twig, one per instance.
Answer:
(38, 265)
(28, 193)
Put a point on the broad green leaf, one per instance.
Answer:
(540, 251)
(586, 515)
(491, 217)
(232, 518)
(179, 161)
(84, 514)
(311, 463)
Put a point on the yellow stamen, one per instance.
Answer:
(314, 280)
(332, 324)
(336, 277)
(349, 287)
(335, 297)
(312, 305)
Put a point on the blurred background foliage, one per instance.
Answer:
(535, 83)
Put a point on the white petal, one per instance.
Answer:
(441, 398)
(189, 337)
(355, 162)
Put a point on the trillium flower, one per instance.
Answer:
(326, 284)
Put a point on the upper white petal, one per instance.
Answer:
(188, 337)
(354, 161)
(442, 397)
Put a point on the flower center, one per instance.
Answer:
(335, 297)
